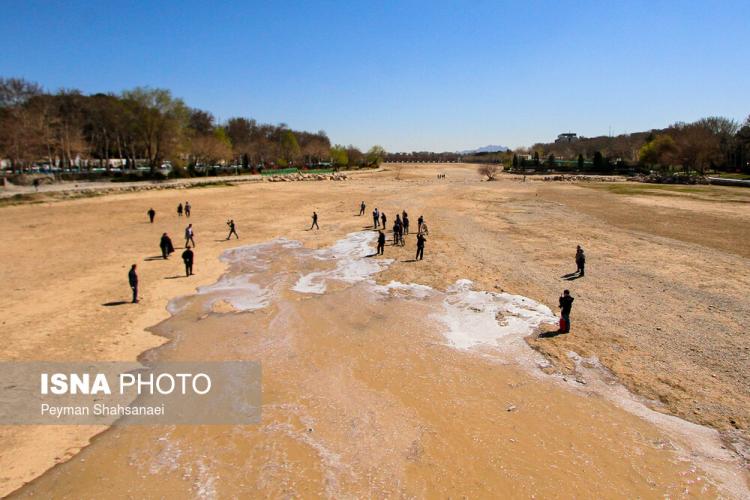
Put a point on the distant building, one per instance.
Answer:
(566, 138)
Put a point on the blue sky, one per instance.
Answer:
(431, 75)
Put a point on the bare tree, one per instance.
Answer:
(488, 170)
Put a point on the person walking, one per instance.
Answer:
(187, 209)
(566, 304)
(232, 229)
(166, 246)
(151, 214)
(179, 210)
(362, 208)
(187, 258)
(383, 219)
(189, 235)
(314, 221)
(381, 242)
(133, 280)
(420, 221)
(405, 222)
(420, 246)
(580, 261)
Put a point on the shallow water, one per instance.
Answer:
(384, 390)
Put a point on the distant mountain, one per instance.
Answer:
(486, 149)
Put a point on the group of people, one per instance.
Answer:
(566, 300)
(400, 229)
(441, 176)
(186, 209)
(379, 220)
(167, 247)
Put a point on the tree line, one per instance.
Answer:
(713, 143)
(147, 126)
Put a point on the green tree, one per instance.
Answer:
(289, 146)
(598, 161)
(339, 156)
(660, 150)
(159, 122)
(375, 155)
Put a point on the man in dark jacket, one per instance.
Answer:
(381, 242)
(566, 304)
(166, 246)
(187, 258)
(133, 280)
(580, 261)
(232, 229)
(420, 246)
(151, 214)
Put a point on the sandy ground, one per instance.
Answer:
(663, 304)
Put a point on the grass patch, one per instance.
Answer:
(699, 192)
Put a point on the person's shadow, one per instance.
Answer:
(175, 277)
(115, 303)
(571, 276)
(552, 334)
(155, 257)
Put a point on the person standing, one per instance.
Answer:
(133, 280)
(151, 214)
(375, 218)
(179, 210)
(383, 219)
(580, 261)
(362, 208)
(166, 246)
(232, 229)
(420, 246)
(405, 222)
(381, 242)
(314, 221)
(189, 235)
(187, 258)
(566, 304)
(420, 221)
(187, 209)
